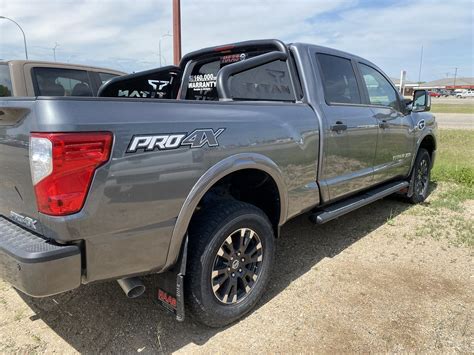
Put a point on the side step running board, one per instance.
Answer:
(340, 208)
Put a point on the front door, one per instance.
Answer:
(395, 142)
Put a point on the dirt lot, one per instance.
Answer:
(388, 277)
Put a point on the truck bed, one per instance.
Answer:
(135, 198)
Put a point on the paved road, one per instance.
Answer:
(452, 100)
(455, 120)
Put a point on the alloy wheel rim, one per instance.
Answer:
(237, 266)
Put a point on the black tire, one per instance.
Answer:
(209, 232)
(420, 177)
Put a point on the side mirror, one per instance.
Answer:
(421, 101)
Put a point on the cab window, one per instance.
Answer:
(61, 82)
(339, 80)
(104, 77)
(380, 91)
(5, 81)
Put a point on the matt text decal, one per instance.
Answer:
(196, 139)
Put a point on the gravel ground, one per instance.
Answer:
(388, 277)
(455, 120)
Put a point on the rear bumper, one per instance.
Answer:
(34, 265)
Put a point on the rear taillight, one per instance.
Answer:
(62, 167)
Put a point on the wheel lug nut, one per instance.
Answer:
(243, 259)
(233, 275)
(240, 270)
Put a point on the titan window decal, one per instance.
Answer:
(196, 139)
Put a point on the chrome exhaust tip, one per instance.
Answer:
(132, 286)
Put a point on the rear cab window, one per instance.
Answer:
(6, 88)
(268, 82)
(338, 79)
(61, 82)
(104, 77)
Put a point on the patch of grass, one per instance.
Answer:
(453, 198)
(443, 224)
(36, 338)
(19, 315)
(464, 229)
(390, 220)
(455, 157)
(452, 108)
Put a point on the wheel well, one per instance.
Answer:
(429, 144)
(251, 186)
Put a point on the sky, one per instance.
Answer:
(125, 35)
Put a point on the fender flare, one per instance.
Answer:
(420, 139)
(208, 179)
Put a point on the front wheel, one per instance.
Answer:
(420, 178)
(231, 251)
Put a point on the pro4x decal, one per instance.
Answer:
(196, 139)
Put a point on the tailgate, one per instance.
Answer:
(17, 199)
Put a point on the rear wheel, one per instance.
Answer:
(420, 177)
(231, 250)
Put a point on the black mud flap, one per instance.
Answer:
(169, 286)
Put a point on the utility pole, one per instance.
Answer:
(23, 33)
(421, 62)
(403, 75)
(455, 74)
(176, 31)
(56, 45)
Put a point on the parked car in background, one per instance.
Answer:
(444, 92)
(434, 94)
(36, 78)
(465, 94)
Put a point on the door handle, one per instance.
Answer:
(384, 124)
(338, 127)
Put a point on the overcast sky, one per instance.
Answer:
(124, 35)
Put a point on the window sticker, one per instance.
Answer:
(203, 82)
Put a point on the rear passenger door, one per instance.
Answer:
(395, 141)
(350, 130)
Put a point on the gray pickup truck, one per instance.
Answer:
(188, 172)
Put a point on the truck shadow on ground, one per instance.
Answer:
(99, 318)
